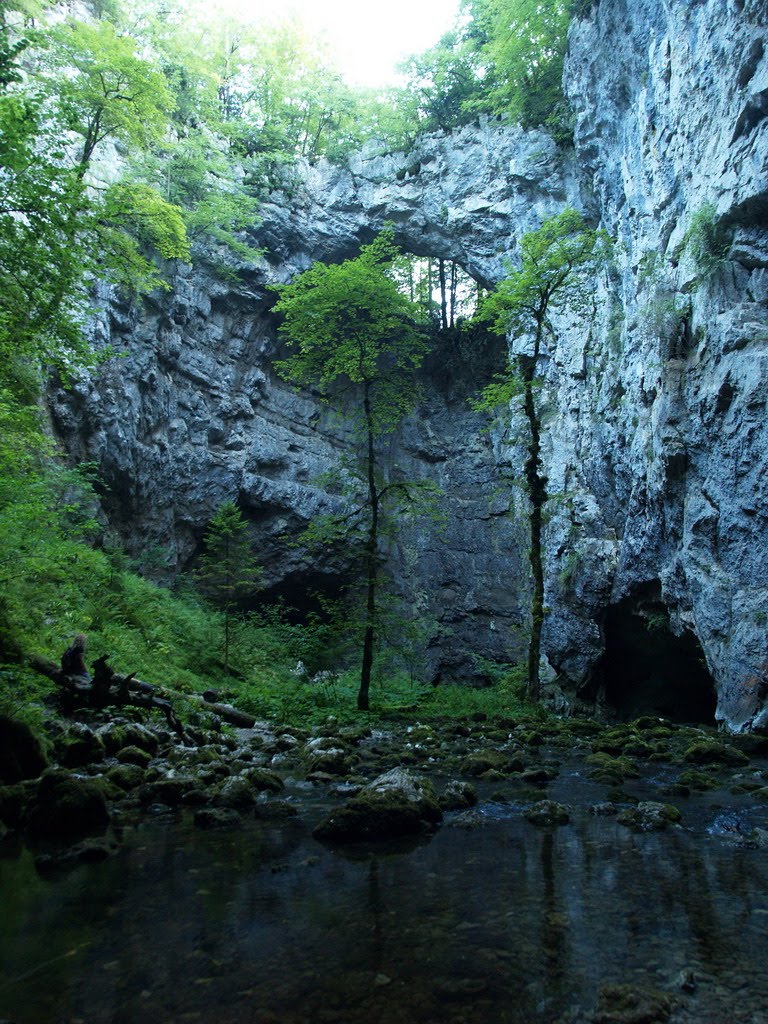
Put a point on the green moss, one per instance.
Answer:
(711, 752)
(611, 771)
(698, 780)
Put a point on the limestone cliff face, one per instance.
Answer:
(660, 436)
(655, 404)
(192, 413)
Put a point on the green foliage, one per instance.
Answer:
(521, 50)
(558, 263)
(349, 324)
(706, 242)
(227, 570)
(103, 88)
(354, 336)
(505, 58)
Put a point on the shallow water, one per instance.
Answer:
(492, 920)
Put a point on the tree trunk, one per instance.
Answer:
(537, 494)
(371, 562)
(443, 295)
(454, 287)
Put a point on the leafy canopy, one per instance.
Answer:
(557, 264)
(349, 324)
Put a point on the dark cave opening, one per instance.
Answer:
(647, 670)
(301, 597)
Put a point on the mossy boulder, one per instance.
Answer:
(457, 796)
(126, 776)
(628, 1004)
(333, 761)
(134, 755)
(78, 746)
(609, 770)
(649, 816)
(168, 790)
(712, 752)
(752, 744)
(117, 735)
(614, 741)
(275, 810)
(14, 801)
(547, 812)
(216, 817)
(21, 753)
(396, 804)
(698, 780)
(639, 748)
(582, 727)
(67, 808)
(539, 776)
(263, 780)
(481, 762)
(236, 792)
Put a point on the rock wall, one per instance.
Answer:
(192, 414)
(654, 404)
(659, 441)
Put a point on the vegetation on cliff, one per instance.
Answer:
(134, 139)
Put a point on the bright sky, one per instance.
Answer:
(369, 38)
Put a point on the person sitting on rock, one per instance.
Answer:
(73, 659)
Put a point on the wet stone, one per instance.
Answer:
(626, 1004)
(457, 796)
(396, 804)
(649, 816)
(216, 817)
(546, 813)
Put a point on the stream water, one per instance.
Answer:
(492, 920)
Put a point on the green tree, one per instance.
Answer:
(504, 58)
(56, 229)
(104, 88)
(353, 336)
(521, 50)
(227, 569)
(558, 265)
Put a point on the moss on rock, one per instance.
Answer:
(396, 804)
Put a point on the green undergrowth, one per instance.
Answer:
(174, 639)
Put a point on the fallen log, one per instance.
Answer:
(228, 714)
(105, 689)
(110, 688)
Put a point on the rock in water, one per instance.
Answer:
(67, 808)
(396, 804)
(21, 756)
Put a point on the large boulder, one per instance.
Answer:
(396, 804)
(649, 816)
(118, 735)
(67, 808)
(78, 746)
(21, 755)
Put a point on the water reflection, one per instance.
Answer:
(503, 923)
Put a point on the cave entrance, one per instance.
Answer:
(647, 670)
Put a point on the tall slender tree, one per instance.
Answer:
(558, 265)
(227, 569)
(353, 335)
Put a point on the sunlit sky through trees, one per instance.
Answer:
(367, 39)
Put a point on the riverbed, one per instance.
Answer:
(491, 919)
